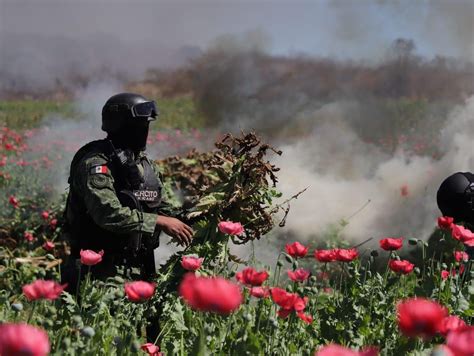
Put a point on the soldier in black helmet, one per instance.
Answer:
(115, 202)
(455, 198)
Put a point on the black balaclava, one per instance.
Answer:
(132, 136)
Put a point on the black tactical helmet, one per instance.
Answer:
(455, 197)
(125, 109)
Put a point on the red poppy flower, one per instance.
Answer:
(461, 342)
(91, 258)
(45, 215)
(23, 339)
(41, 289)
(391, 244)
(296, 249)
(451, 323)
(151, 349)
(461, 256)
(288, 302)
(445, 222)
(48, 246)
(308, 319)
(325, 255)
(300, 275)
(404, 190)
(462, 234)
(283, 298)
(230, 228)
(402, 266)
(191, 263)
(420, 317)
(13, 201)
(260, 292)
(251, 277)
(300, 304)
(346, 255)
(215, 294)
(139, 291)
(28, 236)
(53, 223)
(338, 350)
(444, 274)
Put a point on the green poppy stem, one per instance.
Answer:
(31, 313)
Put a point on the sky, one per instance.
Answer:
(357, 29)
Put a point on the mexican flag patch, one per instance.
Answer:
(99, 169)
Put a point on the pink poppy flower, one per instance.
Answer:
(445, 222)
(391, 244)
(13, 201)
(461, 256)
(451, 323)
(325, 255)
(338, 350)
(346, 255)
(420, 317)
(48, 246)
(230, 228)
(139, 291)
(151, 349)
(300, 275)
(308, 319)
(53, 223)
(461, 342)
(211, 294)
(91, 258)
(402, 266)
(251, 277)
(296, 249)
(23, 339)
(41, 289)
(260, 292)
(283, 298)
(28, 236)
(462, 234)
(404, 190)
(191, 263)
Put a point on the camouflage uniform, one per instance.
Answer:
(98, 220)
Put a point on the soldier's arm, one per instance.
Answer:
(169, 216)
(102, 203)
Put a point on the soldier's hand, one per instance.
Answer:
(175, 228)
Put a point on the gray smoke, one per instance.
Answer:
(343, 173)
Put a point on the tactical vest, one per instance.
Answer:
(135, 189)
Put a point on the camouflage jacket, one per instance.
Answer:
(96, 217)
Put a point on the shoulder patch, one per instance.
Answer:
(99, 169)
(99, 181)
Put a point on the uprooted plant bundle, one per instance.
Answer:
(235, 183)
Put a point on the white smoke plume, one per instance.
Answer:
(342, 173)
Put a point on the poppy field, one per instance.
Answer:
(391, 296)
